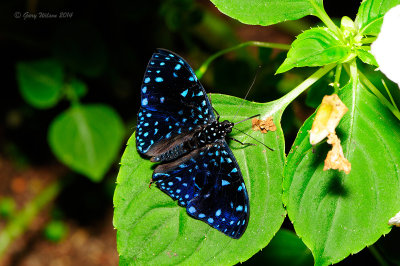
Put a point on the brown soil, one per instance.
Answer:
(89, 245)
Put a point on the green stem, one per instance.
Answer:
(70, 94)
(23, 218)
(293, 94)
(390, 95)
(377, 256)
(321, 14)
(338, 72)
(203, 68)
(378, 94)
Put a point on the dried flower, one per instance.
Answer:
(327, 118)
(263, 125)
(335, 158)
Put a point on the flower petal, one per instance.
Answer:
(386, 48)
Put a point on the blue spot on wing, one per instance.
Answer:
(221, 206)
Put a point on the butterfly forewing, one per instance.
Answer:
(173, 102)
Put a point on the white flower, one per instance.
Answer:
(386, 48)
(395, 220)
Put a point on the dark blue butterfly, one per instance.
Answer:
(177, 127)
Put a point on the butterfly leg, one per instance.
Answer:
(252, 144)
(151, 182)
(216, 113)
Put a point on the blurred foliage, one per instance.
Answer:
(40, 82)
(87, 138)
(7, 207)
(286, 248)
(388, 246)
(55, 230)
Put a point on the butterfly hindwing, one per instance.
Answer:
(208, 182)
(173, 101)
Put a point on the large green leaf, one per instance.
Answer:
(337, 214)
(40, 82)
(153, 229)
(315, 47)
(370, 15)
(87, 138)
(268, 12)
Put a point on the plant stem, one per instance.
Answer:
(338, 72)
(70, 94)
(293, 94)
(378, 94)
(17, 226)
(390, 95)
(323, 16)
(203, 68)
(377, 256)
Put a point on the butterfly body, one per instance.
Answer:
(203, 135)
(178, 129)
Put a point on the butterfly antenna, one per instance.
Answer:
(248, 91)
(254, 139)
(246, 119)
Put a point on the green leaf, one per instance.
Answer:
(284, 249)
(365, 55)
(40, 82)
(315, 47)
(87, 138)
(262, 12)
(337, 214)
(78, 88)
(153, 229)
(370, 15)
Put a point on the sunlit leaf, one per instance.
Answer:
(370, 15)
(366, 56)
(262, 12)
(315, 47)
(337, 214)
(153, 229)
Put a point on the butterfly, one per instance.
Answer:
(177, 128)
